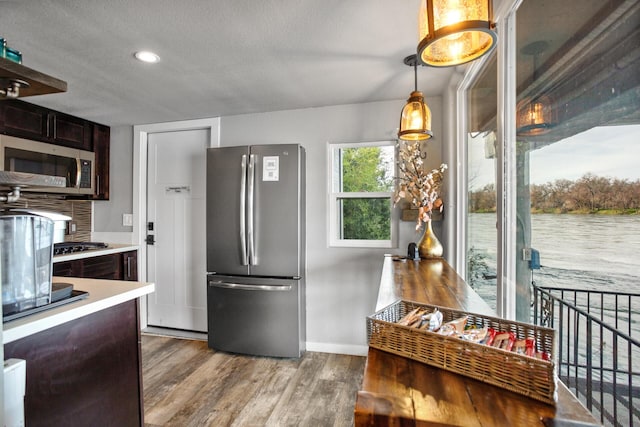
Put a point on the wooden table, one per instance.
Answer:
(397, 391)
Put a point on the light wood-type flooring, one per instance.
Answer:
(187, 384)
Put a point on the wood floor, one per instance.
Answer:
(187, 384)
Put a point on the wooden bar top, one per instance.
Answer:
(397, 391)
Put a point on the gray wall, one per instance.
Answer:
(107, 214)
(342, 283)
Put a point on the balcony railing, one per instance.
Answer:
(597, 348)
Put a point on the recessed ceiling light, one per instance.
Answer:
(146, 56)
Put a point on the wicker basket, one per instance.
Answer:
(529, 376)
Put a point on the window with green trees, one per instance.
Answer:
(361, 194)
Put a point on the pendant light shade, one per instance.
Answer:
(415, 119)
(453, 32)
(535, 114)
(535, 117)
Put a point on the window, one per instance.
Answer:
(569, 119)
(361, 194)
(481, 244)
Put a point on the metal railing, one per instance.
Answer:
(596, 348)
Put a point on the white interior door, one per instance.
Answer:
(176, 262)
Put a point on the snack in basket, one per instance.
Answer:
(526, 346)
(435, 321)
(504, 340)
(454, 327)
(411, 317)
(476, 335)
(491, 335)
(542, 355)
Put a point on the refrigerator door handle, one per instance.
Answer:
(243, 199)
(253, 256)
(244, 287)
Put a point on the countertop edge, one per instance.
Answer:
(103, 294)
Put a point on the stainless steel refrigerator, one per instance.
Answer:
(256, 249)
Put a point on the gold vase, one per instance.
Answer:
(429, 246)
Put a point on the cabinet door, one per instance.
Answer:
(85, 372)
(66, 269)
(130, 266)
(24, 120)
(102, 267)
(70, 131)
(101, 143)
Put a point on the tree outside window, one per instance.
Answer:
(361, 198)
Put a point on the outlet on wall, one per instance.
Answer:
(72, 227)
(127, 220)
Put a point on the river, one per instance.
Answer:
(590, 252)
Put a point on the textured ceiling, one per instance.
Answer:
(218, 58)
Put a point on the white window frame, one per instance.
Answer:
(506, 172)
(333, 204)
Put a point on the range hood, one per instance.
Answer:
(18, 81)
(14, 181)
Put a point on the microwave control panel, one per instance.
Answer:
(85, 174)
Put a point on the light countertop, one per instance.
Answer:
(111, 249)
(103, 294)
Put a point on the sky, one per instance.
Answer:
(608, 151)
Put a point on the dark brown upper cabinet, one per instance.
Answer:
(70, 131)
(30, 121)
(101, 142)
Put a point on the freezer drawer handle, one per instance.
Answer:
(244, 287)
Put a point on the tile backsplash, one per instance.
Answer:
(79, 210)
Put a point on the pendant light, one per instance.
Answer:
(453, 32)
(535, 115)
(415, 119)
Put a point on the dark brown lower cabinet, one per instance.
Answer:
(86, 372)
(118, 266)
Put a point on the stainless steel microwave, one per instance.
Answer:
(39, 158)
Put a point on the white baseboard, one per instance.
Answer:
(124, 238)
(353, 350)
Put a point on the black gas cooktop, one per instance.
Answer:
(72, 247)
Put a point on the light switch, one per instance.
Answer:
(127, 220)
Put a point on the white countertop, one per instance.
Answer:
(102, 294)
(111, 249)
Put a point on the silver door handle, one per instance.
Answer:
(244, 287)
(253, 256)
(243, 197)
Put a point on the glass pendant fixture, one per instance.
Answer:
(535, 117)
(535, 114)
(415, 119)
(454, 32)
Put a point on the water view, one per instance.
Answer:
(588, 252)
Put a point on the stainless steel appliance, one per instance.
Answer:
(26, 247)
(256, 249)
(39, 158)
(64, 248)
